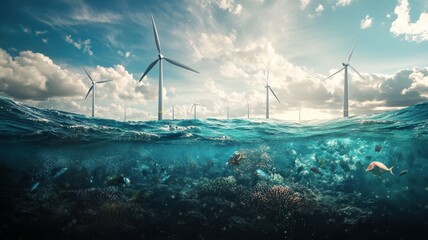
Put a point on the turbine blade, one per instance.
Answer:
(333, 74)
(155, 31)
(103, 81)
(90, 89)
(352, 51)
(192, 107)
(274, 94)
(88, 75)
(180, 65)
(149, 68)
(355, 70)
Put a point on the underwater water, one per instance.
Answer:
(67, 176)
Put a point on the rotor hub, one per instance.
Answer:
(161, 56)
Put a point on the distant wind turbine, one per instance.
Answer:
(194, 109)
(92, 88)
(227, 111)
(267, 93)
(173, 111)
(345, 87)
(125, 113)
(159, 59)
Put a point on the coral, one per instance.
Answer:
(255, 159)
(222, 186)
(98, 195)
(277, 198)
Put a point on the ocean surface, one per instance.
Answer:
(68, 176)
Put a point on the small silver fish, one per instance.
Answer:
(35, 186)
(164, 178)
(404, 172)
(262, 175)
(60, 172)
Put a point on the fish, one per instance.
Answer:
(127, 181)
(60, 172)
(316, 170)
(404, 172)
(262, 175)
(378, 148)
(236, 159)
(378, 168)
(165, 178)
(35, 186)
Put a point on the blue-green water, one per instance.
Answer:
(49, 158)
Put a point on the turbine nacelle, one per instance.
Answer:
(345, 64)
(161, 56)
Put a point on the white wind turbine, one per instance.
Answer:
(248, 108)
(194, 109)
(159, 59)
(173, 111)
(227, 112)
(267, 93)
(92, 88)
(345, 87)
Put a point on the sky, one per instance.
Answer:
(44, 46)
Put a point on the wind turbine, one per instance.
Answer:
(227, 111)
(173, 111)
(194, 108)
(159, 59)
(267, 93)
(92, 88)
(248, 108)
(345, 87)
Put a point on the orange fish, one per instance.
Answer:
(378, 168)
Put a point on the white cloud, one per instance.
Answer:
(419, 83)
(227, 5)
(319, 9)
(366, 22)
(45, 40)
(388, 16)
(238, 9)
(304, 3)
(402, 25)
(123, 86)
(34, 76)
(79, 14)
(25, 29)
(343, 3)
(86, 44)
(83, 13)
(212, 45)
(127, 54)
(40, 33)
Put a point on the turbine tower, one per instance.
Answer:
(227, 112)
(159, 59)
(194, 109)
(345, 85)
(173, 111)
(267, 93)
(92, 88)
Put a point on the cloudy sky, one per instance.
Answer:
(44, 45)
